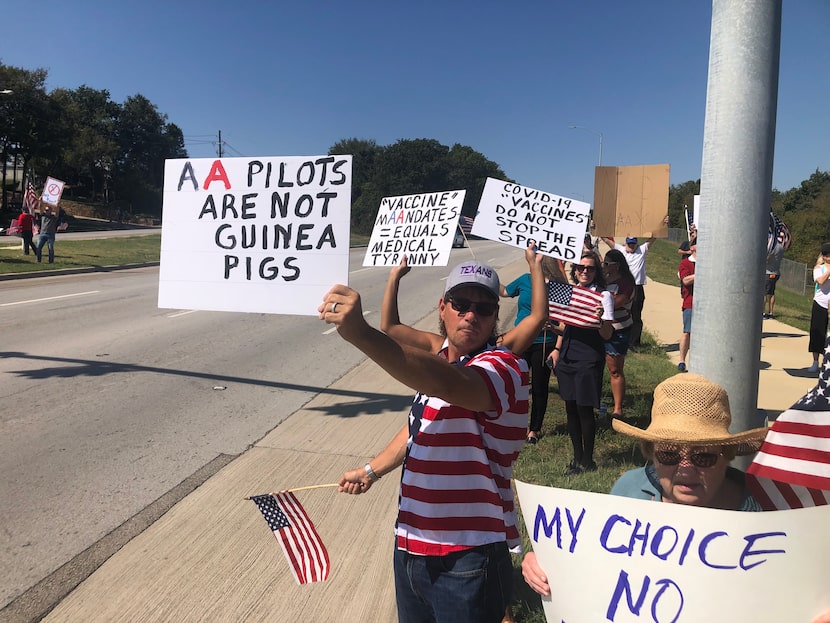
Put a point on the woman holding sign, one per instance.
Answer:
(579, 360)
(689, 445)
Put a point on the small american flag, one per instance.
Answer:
(792, 468)
(30, 199)
(296, 535)
(573, 305)
(690, 222)
(466, 224)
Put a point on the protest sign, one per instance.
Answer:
(421, 227)
(52, 191)
(611, 558)
(267, 235)
(631, 201)
(515, 215)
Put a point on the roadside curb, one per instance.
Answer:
(75, 271)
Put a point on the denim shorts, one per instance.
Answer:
(617, 344)
(687, 320)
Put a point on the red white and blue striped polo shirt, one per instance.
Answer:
(455, 486)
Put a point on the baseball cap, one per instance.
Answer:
(825, 248)
(473, 273)
(630, 240)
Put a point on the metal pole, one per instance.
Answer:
(220, 143)
(735, 191)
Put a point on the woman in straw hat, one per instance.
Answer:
(690, 446)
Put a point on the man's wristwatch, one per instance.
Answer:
(371, 473)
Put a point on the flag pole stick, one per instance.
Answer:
(332, 484)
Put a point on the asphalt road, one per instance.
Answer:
(109, 403)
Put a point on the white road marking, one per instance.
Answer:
(182, 313)
(49, 298)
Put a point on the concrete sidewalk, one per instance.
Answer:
(212, 557)
(783, 377)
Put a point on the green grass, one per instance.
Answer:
(82, 253)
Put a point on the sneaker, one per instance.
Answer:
(766, 316)
(682, 367)
(813, 368)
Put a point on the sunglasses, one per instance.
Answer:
(581, 269)
(698, 459)
(609, 263)
(462, 306)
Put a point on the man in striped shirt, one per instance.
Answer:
(456, 518)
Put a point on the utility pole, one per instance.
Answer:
(735, 193)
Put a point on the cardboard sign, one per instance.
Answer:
(515, 215)
(52, 191)
(266, 235)
(631, 201)
(611, 558)
(421, 227)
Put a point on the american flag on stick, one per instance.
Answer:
(573, 305)
(302, 546)
(30, 198)
(792, 468)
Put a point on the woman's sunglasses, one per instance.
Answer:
(581, 269)
(698, 459)
(462, 306)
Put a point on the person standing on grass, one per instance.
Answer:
(48, 228)
(634, 253)
(536, 355)
(620, 283)
(821, 299)
(686, 273)
(578, 362)
(25, 221)
(773, 274)
(456, 516)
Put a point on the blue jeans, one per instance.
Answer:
(45, 239)
(471, 586)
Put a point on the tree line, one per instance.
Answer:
(107, 151)
(805, 209)
(103, 150)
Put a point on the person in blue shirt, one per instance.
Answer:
(538, 353)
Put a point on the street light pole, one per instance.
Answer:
(582, 127)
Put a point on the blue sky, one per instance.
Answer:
(293, 78)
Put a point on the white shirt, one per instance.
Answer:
(636, 261)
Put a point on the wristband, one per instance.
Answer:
(555, 348)
(371, 473)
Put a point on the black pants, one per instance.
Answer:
(818, 328)
(637, 315)
(539, 382)
(27, 242)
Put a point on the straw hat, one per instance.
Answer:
(691, 410)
